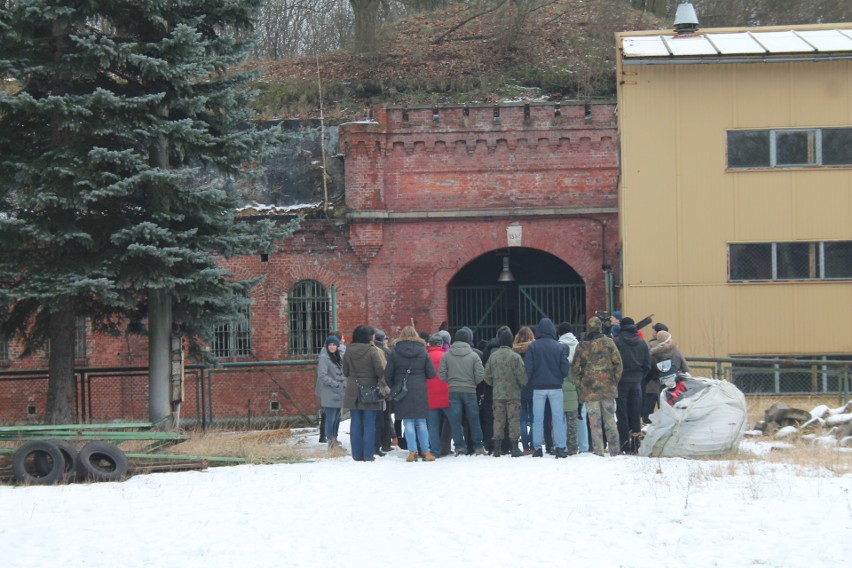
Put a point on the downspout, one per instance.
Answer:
(606, 267)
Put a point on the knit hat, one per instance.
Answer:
(445, 335)
(380, 336)
(436, 340)
(332, 340)
(505, 338)
(660, 327)
(564, 328)
(663, 337)
(465, 335)
(627, 321)
(595, 324)
(616, 314)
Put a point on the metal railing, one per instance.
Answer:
(779, 376)
(236, 392)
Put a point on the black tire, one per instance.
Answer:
(38, 463)
(101, 461)
(69, 453)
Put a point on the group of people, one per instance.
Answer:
(543, 388)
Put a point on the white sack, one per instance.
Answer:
(710, 422)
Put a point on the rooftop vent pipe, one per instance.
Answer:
(686, 22)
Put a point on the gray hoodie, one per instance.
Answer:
(461, 368)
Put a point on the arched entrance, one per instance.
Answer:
(543, 286)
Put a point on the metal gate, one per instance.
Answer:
(564, 302)
(485, 308)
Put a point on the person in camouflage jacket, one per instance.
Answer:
(505, 372)
(596, 370)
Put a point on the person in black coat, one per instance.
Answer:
(410, 364)
(636, 358)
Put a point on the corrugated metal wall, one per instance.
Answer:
(680, 208)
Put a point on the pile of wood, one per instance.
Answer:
(782, 421)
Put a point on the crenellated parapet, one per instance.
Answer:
(482, 157)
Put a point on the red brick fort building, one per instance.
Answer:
(465, 216)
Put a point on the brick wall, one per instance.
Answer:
(426, 192)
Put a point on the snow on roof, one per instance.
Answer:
(255, 209)
(739, 43)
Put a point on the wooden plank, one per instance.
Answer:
(53, 427)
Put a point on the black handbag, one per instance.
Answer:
(400, 389)
(369, 394)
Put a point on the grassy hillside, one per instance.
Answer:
(557, 50)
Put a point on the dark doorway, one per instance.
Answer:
(543, 286)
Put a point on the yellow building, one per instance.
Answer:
(736, 187)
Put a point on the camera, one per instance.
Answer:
(606, 320)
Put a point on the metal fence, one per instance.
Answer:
(779, 376)
(251, 394)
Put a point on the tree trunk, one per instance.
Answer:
(61, 384)
(159, 314)
(366, 14)
(159, 355)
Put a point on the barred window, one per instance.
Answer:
(80, 334)
(309, 311)
(828, 260)
(233, 339)
(792, 147)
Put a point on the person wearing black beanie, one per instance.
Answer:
(505, 373)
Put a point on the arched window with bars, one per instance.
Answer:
(309, 314)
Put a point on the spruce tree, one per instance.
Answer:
(123, 127)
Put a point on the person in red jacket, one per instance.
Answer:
(439, 399)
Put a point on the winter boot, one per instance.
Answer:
(561, 453)
(537, 453)
(498, 450)
(517, 452)
(412, 457)
(428, 457)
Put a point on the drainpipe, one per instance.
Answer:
(606, 267)
(334, 306)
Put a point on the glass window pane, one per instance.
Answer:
(309, 313)
(794, 261)
(750, 261)
(837, 146)
(748, 149)
(794, 148)
(838, 259)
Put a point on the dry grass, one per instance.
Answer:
(263, 446)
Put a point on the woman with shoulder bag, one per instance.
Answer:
(364, 368)
(408, 367)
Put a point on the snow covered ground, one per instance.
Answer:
(585, 510)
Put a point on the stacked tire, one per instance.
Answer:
(45, 462)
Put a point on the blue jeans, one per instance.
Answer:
(416, 434)
(583, 432)
(555, 397)
(466, 401)
(433, 424)
(332, 421)
(526, 423)
(362, 433)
